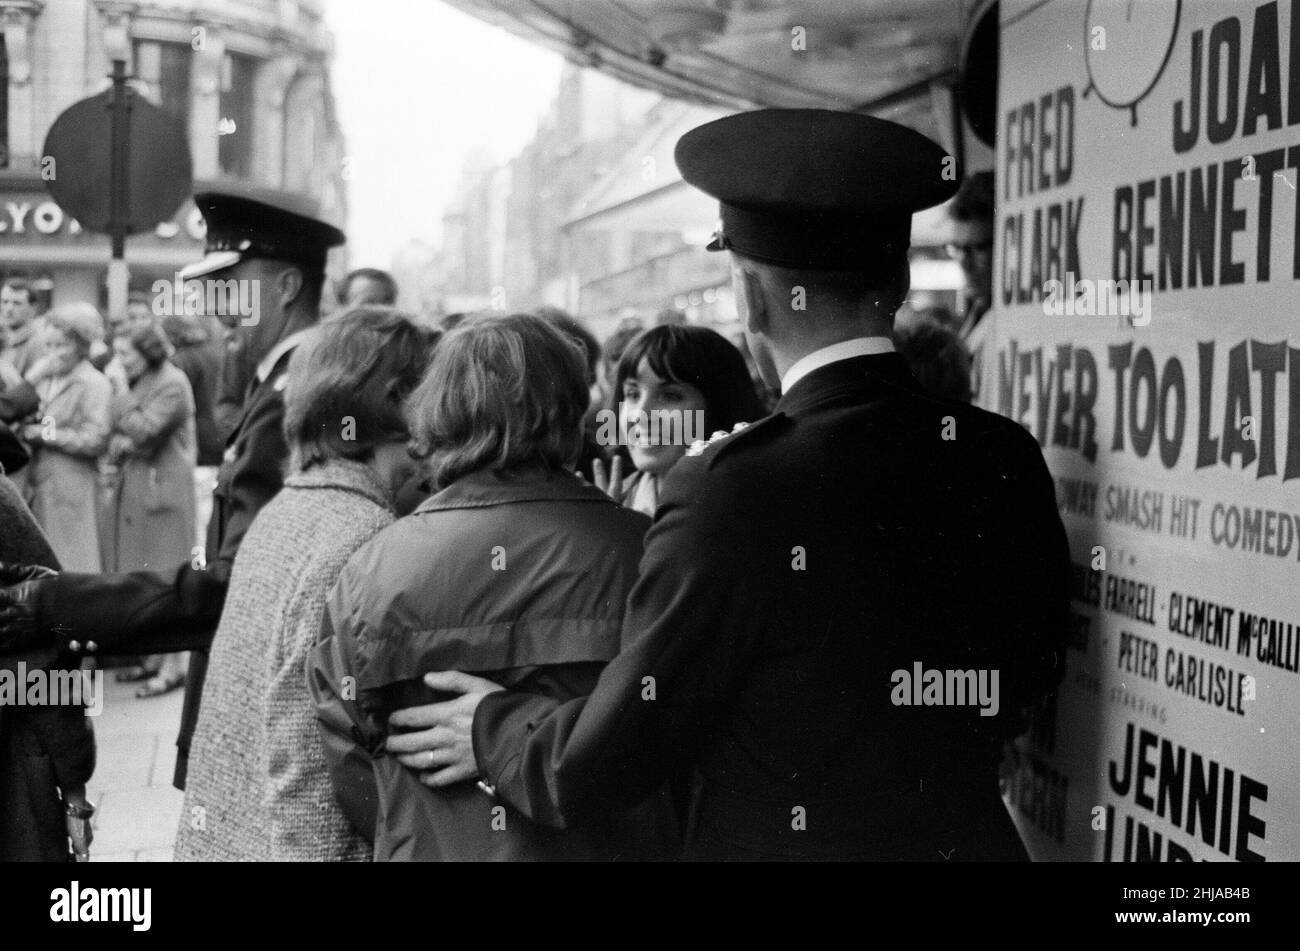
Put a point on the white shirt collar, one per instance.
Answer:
(269, 361)
(844, 350)
(645, 497)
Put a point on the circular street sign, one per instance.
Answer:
(81, 144)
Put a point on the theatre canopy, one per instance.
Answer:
(881, 56)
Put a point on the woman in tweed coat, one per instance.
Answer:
(258, 789)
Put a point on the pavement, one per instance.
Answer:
(132, 785)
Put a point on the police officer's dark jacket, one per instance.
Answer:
(792, 568)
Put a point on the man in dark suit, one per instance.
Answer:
(19, 349)
(275, 256)
(842, 608)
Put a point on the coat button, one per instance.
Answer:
(91, 647)
(74, 646)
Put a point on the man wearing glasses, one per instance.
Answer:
(971, 223)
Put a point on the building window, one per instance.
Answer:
(4, 103)
(165, 69)
(302, 136)
(236, 124)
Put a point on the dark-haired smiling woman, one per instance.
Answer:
(515, 569)
(674, 380)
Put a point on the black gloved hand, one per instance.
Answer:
(21, 625)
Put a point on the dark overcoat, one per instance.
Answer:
(793, 568)
(152, 518)
(42, 748)
(200, 361)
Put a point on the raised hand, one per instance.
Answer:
(612, 486)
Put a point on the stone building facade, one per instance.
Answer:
(250, 80)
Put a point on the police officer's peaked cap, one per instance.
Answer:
(815, 188)
(251, 224)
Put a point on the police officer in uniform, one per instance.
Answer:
(806, 576)
(280, 250)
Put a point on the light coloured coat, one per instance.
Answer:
(61, 482)
(258, 788)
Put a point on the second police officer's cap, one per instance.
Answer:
(248, 224)
(814, 188)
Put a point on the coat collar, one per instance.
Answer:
(52, 388)
(484, 488)
(833, 379)
(844, 350)
(283, 350)
(25, 335)
(269, 362)
(342, 474)
(149, 381)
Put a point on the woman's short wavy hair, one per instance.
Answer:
(502, 393)
(151, 342)
(79, 322)
(348, 382)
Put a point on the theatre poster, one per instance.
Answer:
(1146, 330)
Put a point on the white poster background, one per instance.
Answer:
(1062, 795)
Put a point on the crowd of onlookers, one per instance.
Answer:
(502, 410)
(123, 423)
(123, 420)
(117, 420)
